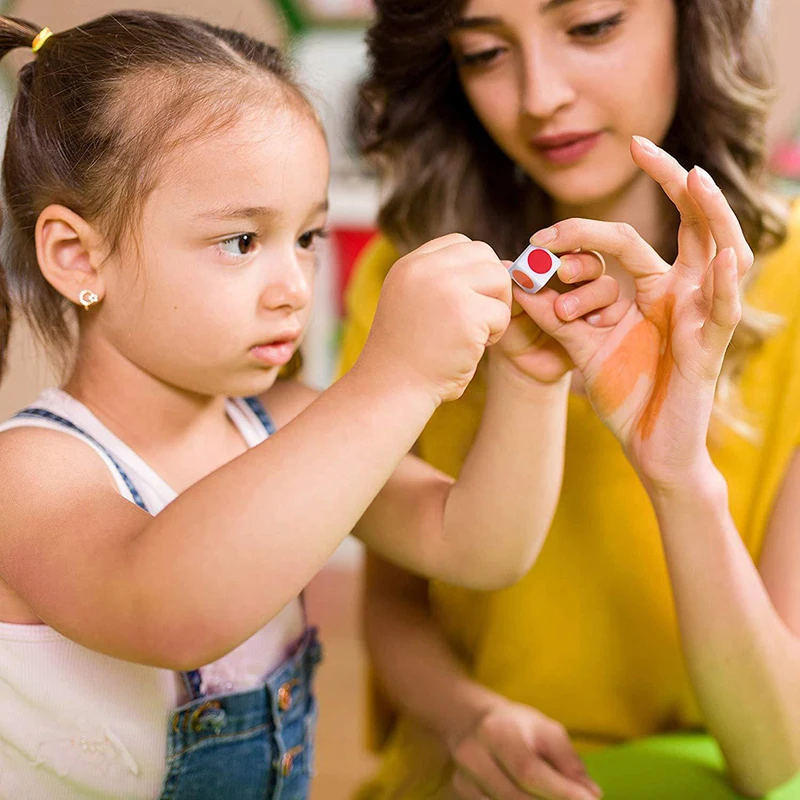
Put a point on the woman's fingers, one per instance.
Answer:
(613, 238)
(696, 245)
(560, 753)
(726, 308)
(587, 299)
(722, 221)
(576, 337)
(464, 788)
(478, 774)
(582, 266)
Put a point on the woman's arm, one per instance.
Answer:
(652, 379)
(503, 749)
(739, 631)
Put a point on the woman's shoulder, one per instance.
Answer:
(776, 287)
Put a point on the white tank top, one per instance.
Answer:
(78, 724)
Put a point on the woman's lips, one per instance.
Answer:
(566, 148)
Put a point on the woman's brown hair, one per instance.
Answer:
(95, 111)
(445, 173)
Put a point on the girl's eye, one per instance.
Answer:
(239, 245)
(309, 238)
(596, 30)
(484, 57)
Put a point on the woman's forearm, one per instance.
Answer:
(743, 661)
(415, 665)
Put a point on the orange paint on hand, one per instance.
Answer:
(645, 351)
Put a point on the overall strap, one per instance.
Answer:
(257, 407)
(65, 423)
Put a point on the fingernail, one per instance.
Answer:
(545, 236)
(593, 319)
(570, 306)
(568, 269)
(646, 145)
(706, 179)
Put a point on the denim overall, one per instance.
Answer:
(257, 743)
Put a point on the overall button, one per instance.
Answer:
(285, 695)
(209, 715)
(287, 762)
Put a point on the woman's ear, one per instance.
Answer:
(70, 253)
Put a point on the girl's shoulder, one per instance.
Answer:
(286, 399)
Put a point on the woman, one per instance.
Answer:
(648, 611)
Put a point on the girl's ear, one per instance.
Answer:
(70, 253)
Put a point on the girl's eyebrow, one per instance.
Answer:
(239, 212)
(251, 212)
(489, 22)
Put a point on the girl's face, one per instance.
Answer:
(221, 296)
(562, 85)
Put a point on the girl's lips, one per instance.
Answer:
(275, 354)
(566, 150)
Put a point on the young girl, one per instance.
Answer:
(167, 181)
(645, 611)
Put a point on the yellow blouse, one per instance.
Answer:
(589, 636)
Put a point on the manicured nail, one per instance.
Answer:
(706, 179)
(646, 145)
(570, 306)
(593, 319)
(544, 237)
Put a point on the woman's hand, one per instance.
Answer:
(651, 375)
(514, 752)
(531, 351)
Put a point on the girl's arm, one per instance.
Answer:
(486, 529)
(740, 630)
(500, 748)
(188, 585)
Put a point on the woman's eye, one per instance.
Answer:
(596, 30)
(309, 238)
(239, 245)
(483, 57)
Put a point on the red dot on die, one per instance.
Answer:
(522, 279)
(539, 261)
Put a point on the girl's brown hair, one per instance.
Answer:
(445, 173)
(95, 110)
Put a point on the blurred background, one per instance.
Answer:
(325, 38)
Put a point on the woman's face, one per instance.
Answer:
(562, 85)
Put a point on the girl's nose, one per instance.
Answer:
(288, 286)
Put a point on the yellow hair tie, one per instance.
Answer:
(41, 37)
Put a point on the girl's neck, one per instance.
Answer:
(641, 203)
(135, 405)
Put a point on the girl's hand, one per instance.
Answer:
(439, 309)
(514, 752)
(531, 351)
(651, 375)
